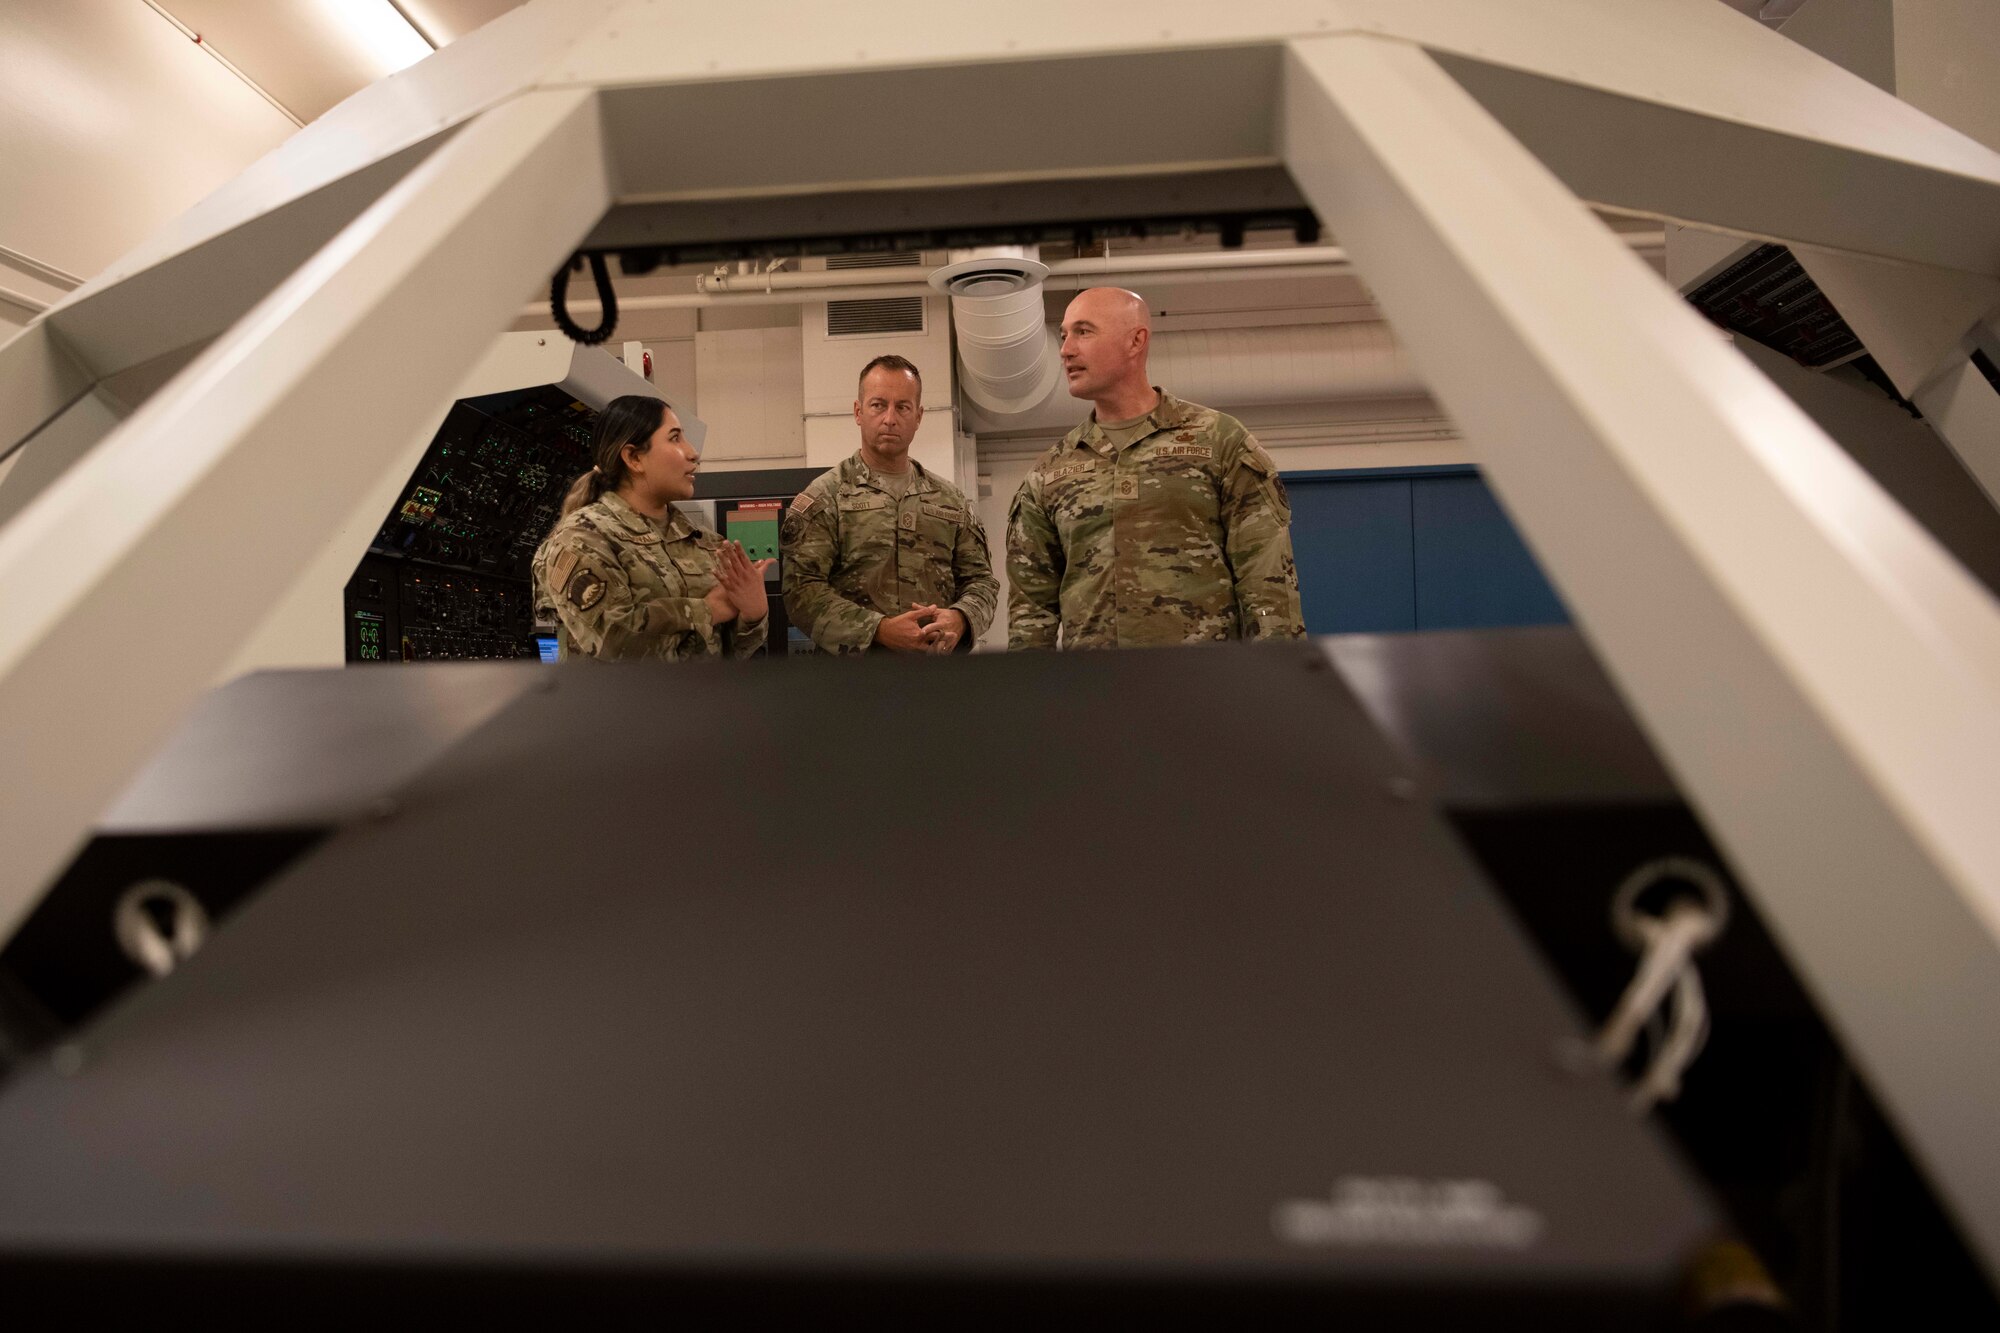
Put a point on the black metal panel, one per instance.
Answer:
(261, 770)
(745, 984)
(1503, 718)
(766, 483)
(66, 957)
(1228, 203)
(1521, 738)
(308, 749)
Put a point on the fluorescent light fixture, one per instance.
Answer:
(379, 29)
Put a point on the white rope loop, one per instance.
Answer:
(1665, 982)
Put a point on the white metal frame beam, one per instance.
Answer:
(40, 376)
(1693, 166)
(1688, 110)
(233, 475)
(1821, 676)
(198, 292)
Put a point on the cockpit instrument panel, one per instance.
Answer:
(447, 574)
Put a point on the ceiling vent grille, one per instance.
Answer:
(877, 259)
(884, 314)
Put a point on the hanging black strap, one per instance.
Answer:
(559, 301)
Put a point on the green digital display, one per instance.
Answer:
(756, 527)
(368, 636)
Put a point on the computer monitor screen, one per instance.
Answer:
(546, 644)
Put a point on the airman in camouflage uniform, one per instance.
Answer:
(853, 554)
(627, 586)
(1171, 527)
(880, 554)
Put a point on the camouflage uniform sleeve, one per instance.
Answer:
(808, 548)
(748, 640)
(605, 616)
(978, 593)
(1257, 527)
(1034, 571)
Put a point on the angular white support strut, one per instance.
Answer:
(1823, 679)
(222, 487)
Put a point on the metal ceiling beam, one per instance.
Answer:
(933, 217)
(198, 292)
(40, 376)
(1691, 165)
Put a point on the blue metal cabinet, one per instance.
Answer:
(1473, 570)
(1352, 540)
(1413, 548)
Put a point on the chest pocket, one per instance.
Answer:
(1179, 480)
(937, 526)
(689, 566)
(860, 517)
(645, 565)
(1077, 491)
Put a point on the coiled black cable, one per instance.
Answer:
(559, 301)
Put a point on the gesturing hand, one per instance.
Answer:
(741, 580)
(911, 632)
(720, 609)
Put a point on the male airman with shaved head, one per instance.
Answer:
(1156, 521)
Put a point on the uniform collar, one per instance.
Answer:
(674, 525)
(1167, 414)
(856, 472)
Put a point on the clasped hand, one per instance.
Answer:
(739, 586)
(921, 629)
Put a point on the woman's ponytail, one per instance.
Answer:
(584, 490)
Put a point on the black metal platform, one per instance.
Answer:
(1131, 981)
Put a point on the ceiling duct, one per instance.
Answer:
(1007, 356)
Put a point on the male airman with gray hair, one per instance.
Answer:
(1156, 521)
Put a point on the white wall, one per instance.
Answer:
(1948, 63)
(112, 123)
(832, 370)
(750, 393)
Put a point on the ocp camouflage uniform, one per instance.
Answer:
(853, 553)
(625, 586)
(1175, 529)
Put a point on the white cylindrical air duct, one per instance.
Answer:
(1007, 361)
